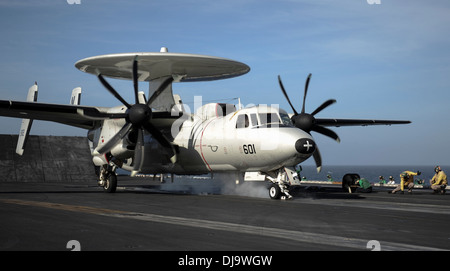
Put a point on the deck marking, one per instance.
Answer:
(292, 235)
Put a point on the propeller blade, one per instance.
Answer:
(135, 79)
(285, 95)
(160, 90)
(138, 159)
(306, 91)
(161, 139)
(326, 132)
(157, 135)
(115, 139)
(112, 90)
(318, 159)
(323, 106)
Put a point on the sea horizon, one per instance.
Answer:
(370, 172)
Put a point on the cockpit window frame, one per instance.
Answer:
(262, 119)
(254, 120)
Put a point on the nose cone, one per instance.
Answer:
(305, 146)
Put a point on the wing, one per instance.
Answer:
(85, 117)
(357, 122)
(74, 115)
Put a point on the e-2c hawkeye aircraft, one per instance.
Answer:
(156, 135)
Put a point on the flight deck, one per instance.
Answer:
(145, 214)
(49, 202)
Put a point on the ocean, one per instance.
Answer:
(223, 183)
(371, 173)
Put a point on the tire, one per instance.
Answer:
(111, 183)
(274, 192)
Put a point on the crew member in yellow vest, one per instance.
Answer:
(406, 180)
(439, 181)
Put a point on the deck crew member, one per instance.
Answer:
(406, 180)
(439, 181)
(391, 180)
(364, 186)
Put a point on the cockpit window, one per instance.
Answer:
(269, 118)
(242, 121)
(285, 119)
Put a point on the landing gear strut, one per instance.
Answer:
(280, 186)
(108, 178)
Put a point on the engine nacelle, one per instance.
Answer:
(110, 127)
(124, 150)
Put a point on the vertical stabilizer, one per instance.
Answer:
(75, 99)
(26, 123)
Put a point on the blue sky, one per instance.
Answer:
(385, 61)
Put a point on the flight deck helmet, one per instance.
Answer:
(437, 169)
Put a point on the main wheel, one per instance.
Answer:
(111, 183)
(274, 192)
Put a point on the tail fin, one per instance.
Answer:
(75, 99)
(26, 123)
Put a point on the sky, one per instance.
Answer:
(379, 61)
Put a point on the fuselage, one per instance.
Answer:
(218, 138)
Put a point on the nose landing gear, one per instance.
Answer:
(279, 189)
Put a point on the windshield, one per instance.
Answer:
(268, 118)
(285, 119)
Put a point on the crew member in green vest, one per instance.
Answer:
(364, 186)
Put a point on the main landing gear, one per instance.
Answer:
(108, 178)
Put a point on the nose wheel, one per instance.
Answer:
(275, 191)
(279, 189)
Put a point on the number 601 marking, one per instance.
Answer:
(249, 149)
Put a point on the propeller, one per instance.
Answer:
(137, 119)
(307, 122)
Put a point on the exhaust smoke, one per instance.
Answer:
(219, 184)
